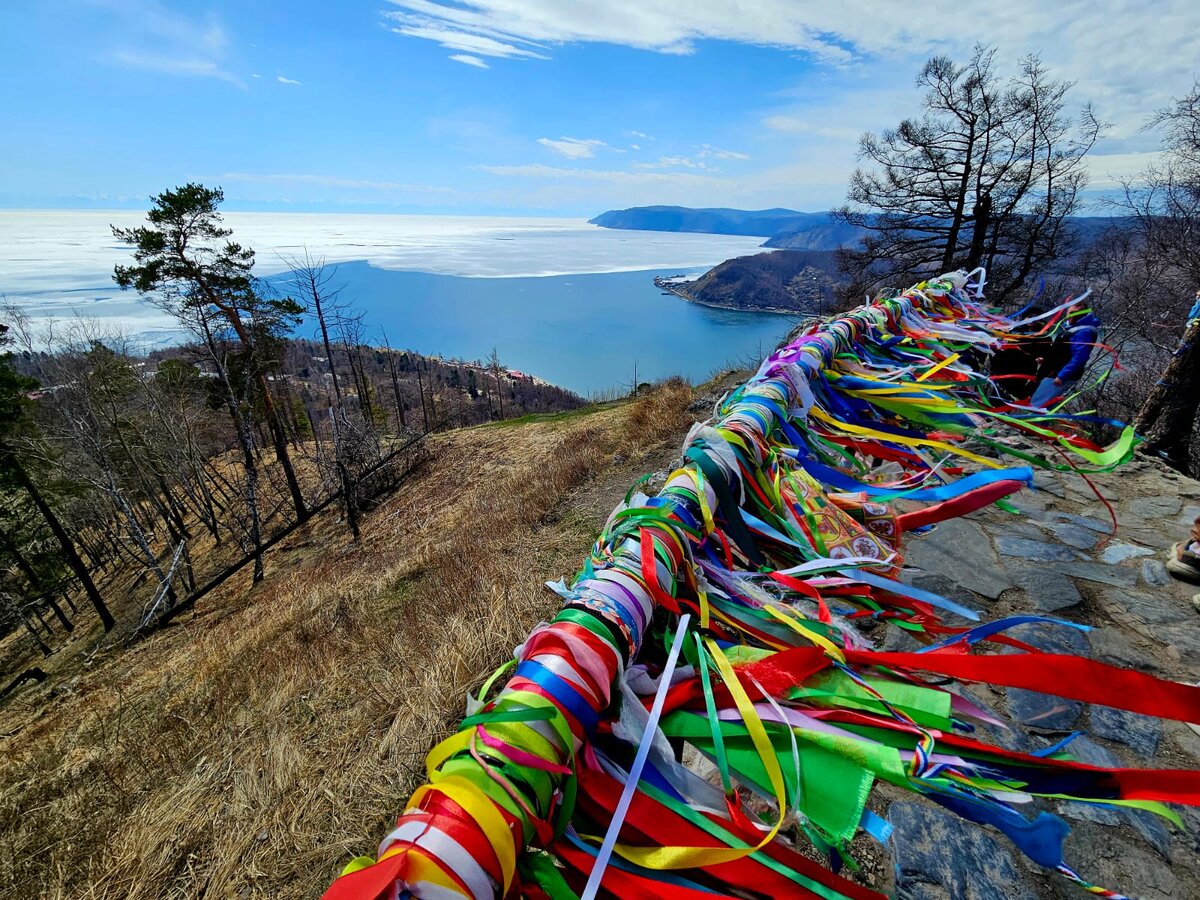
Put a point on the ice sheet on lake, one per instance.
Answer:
(60, 262)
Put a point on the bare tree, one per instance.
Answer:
(17, 438)
(401, 424)
(498, 372)
(94, 422)
(313, 282)
(987, 175)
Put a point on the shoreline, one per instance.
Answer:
(670, 287)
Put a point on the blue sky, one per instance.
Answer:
(542, 107)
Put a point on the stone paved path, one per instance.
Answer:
(1058, 558)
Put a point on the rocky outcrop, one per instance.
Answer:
(1059, 556)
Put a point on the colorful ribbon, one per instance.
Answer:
(760, 558)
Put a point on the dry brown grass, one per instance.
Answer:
(254, 747)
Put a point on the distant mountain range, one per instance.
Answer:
(784, 228)
(800, 277)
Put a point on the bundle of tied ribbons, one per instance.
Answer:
(726, 618)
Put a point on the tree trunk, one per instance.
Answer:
(137, 533)
(1167, 419)
(960, 204)
(982, 218)
(400, 423)
(249, 463)
(19, 610)
(278, 438)
(339, 454)
(58, 613)
(10, 546)
(349, 497)
(64, 542)
(421, 391)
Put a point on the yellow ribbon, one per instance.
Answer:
(481, 809)
(902, 439)
(830, 648)
(676, 857)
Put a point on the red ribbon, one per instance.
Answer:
(980, 497)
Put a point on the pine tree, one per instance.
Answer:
(186, 264)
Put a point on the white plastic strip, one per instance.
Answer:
(639, 762)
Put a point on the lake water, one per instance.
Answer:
(561, 299)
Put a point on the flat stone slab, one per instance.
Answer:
(1157, 539)
(1074, 535)
(1113, 646)
(1081, 490)
(1029, 503)
(1021, 528)
(937, 857)
(1156, 507)
(1099, 572)
(960, 551)
(1090, 812)
(1085, 750)
(943, 587)
(1118, 552)
(1150, 607)
(1102, 856)
(1140, 733)
(1097, 525)
(1185, 638)
(1043, 711)
(1042, 551)
(1048, 591)
(1045, 481)
(1154, 573)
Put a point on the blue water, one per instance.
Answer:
(584, 332)
(502, 282)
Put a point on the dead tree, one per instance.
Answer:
(313, 282)
(1167, 419)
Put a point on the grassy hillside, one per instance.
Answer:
(269, 735)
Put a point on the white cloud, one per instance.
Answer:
(640, 134)
(480, 44)
(282, 80)
(1110, 170)
(697, 161)
(576, 148)
(155, 39)
(165, 64)
(665, 26)
(805, 125)
(1127, 60)
(716, 153)
(672, 162)
(256, 75)
(614, 176)
(635, 147)
(325, 181)
(467, 60)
